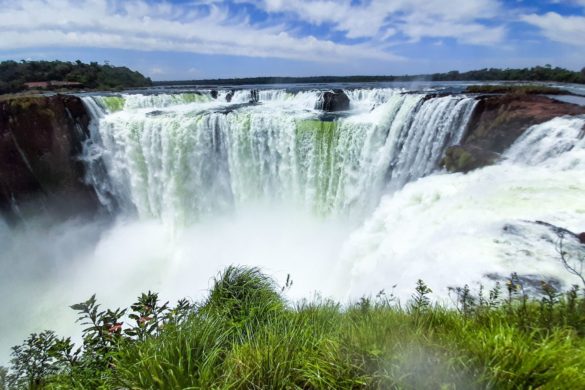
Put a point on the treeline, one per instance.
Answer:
(537, 73)
(14, 75)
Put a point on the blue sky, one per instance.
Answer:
(190, 39)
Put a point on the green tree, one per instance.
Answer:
(13, 75)
(3, 375)
(33, 362)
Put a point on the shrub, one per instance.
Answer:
(243, 295)
(245, 336)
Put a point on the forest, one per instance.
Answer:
(537, 73)
(14, 75)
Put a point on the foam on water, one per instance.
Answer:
(454, 229)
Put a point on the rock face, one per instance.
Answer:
(40, 139)
(465, 158)
(497, 122)
(333, 101)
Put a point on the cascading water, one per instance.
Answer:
(178, 157)
(277, 167)
(455, 229)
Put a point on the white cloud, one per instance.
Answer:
(139, 25)
(570, 2)
(558, 28)
(194, 71)
(415, 19)
(156, 71)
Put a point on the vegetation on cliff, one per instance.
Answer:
(245, 335)
(520, 89)
(537, 73)
(14, 75)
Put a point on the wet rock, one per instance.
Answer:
(532, 285)
(332, 101)
(559, 231)
(214, 93)
(254, 96)
(581, 237)
(229, 96)
(460, 158)
(41, 138)
(497, 122)
(233, 107)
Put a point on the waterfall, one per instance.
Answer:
(181, 156)
(549, 140)
(172, 159)
(455, 229)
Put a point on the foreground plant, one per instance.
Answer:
(245, 335)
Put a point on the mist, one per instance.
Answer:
(46, 266)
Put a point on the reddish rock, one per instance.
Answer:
(497, 122)
(40, 139)
(581, 237)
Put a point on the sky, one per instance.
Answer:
(197, 39)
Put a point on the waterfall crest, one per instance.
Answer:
(181, 156)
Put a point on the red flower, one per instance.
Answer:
(115, 328)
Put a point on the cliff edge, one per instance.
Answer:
(498, 121)
(40, 139)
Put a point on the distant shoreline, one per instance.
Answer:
(528, 75)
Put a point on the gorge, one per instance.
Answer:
(160, 190)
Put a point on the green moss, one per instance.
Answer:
(464, 160)
(114, 103)
(319, 138)
(314, 126)
(192, 98)
(25, 103)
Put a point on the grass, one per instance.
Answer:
(246, 336)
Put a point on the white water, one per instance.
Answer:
(273, 206)
(448, 229)
(185, 159)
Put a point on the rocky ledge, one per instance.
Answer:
(333, 101)
(40, 140)
(497, 122)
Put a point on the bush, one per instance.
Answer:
(243, 295)
(245, 336)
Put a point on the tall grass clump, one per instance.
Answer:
(245, 335)
(243, 296)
